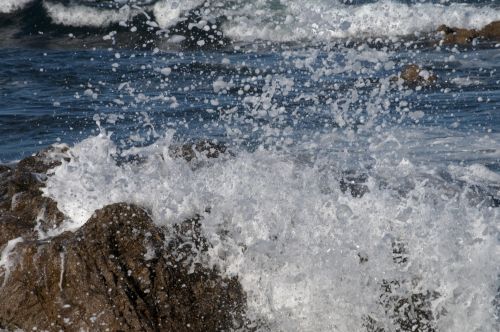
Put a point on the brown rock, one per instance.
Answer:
(458, 36)
(452, 36)
(119, 272)
(20, 194)
(414, 75)
(491, 31)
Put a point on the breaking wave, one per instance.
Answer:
(309, 254)
(279, 21)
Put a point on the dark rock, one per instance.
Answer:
(413, 75)
(407, 308)
(20, 190)
(119, 272)
(11, 227)
(354, 184)
(207, 149)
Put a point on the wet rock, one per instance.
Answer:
(491, 31)
(452, 36)
(354, 183)
(205, 148)
(413, 75)
(458, 36)
(119, 272)
(409, 311)
(20, 190)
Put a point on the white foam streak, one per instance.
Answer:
(11, 6)
(294, 238)
(6, 259)
(84, 16)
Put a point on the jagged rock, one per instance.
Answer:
(413, 75)
(120, 273)
(20, 194)
(459, 36)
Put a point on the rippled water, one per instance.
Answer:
(332, 159)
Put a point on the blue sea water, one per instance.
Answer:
(302, 93)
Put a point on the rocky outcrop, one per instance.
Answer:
(459, 36)
(21, 201)
(119, 272)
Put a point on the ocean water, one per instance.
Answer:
(340, 179)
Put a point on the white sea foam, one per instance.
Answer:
(168, 12)
(294, 238)
(84, 16)
(328, 19)
(290, 20)
(10, 6)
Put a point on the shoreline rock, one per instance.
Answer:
(460, 36)
(117, 272)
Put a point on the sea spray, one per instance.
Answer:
(296, 245)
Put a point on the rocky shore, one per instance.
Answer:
(119, 272)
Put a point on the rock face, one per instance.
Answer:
(22, 206)
(119, 272)
(452, 36)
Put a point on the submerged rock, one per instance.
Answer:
(406, 306)
(452, 36)
(117, 272)
(414, 75)
(204, 148)
(459, 36)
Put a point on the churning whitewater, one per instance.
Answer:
(283, 224)
(279, 21)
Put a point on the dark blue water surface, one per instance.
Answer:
(56, 78)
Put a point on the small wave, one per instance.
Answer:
(288, 21)
(325, 21)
